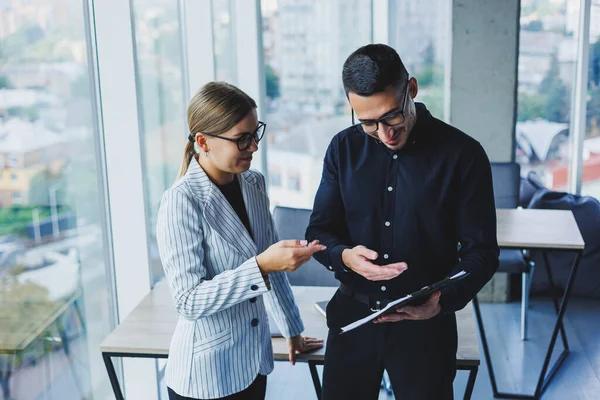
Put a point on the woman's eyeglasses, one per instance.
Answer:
(245, 141)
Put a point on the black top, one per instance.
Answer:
(413, 205)
(233, 194)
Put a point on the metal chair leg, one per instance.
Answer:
(524, 304)
(527, 277)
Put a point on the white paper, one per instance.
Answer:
(371, 317)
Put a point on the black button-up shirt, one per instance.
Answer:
(413, 205)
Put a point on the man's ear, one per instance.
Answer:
(414, 87)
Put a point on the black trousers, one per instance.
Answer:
(256, 391)
(419, 356)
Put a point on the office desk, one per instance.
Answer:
(545, 230)
(147, 331)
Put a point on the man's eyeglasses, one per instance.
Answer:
(245, 141)
(394, 119)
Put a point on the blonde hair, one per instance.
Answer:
(215, 108)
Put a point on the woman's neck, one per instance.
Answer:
(217, 176)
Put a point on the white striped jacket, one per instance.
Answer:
(222, 339)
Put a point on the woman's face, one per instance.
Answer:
(224, 155)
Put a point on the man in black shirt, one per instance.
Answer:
(404, 201)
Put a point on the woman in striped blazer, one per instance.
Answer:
(220, 252)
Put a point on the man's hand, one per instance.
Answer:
(427, 310)
(302, 344)
(359, 260)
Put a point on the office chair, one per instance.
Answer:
(506, 178)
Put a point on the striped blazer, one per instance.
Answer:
(222, 339)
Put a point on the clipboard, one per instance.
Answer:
(420, 296)
(413, 298)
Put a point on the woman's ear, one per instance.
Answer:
(201, 142)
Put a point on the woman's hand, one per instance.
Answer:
(301, 344)
(287, 255)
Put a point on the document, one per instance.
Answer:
(426, 291)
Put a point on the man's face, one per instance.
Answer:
(388, 103)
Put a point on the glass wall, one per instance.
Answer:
(305, 45)
(420, 33)
(591, 144)
(224, 43)
(161, 106)
(547, 60)
(55, 302)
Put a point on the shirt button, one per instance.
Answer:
(383, 288)
(387, 223)
(254, 322)
(390, 188)
(395, 156)
(330, 268)
(386, 256)
(254, 287)
(253, 300)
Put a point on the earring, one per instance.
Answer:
(206, 153)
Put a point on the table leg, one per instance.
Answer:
(471, 382)
(5, 374)
(555, 297)
(484, 343)
(315, 378)
(77, 306)
(67, 350)
(543, 380)
(112, 376)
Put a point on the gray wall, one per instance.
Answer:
(483, 72)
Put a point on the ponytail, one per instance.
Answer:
(188, 153)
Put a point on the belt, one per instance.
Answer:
(375, 304)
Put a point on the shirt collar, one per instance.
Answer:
(420, 129)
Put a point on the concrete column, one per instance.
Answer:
(483, 72)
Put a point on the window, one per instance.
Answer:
(421, 37)
(274, 176)
(546, 70)
(55, 215)
(305, 45)
(13, 177)
(223, 40)
(12, 158)
(590, 184)
(294, 181)
(161, 104)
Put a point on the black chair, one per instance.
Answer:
(506, 178)
(291, 223)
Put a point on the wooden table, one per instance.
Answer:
(544, 230)
(23, 319)
(147, 331)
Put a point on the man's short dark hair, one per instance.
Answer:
(371, 69)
